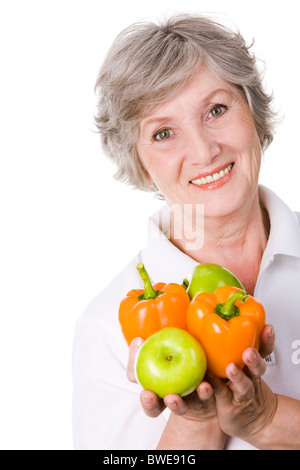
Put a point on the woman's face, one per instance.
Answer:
(202, 146)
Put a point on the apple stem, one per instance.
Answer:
(228, 309)
(150, 293)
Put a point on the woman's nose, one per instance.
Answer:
(202, 147)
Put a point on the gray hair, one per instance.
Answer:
(149, 63)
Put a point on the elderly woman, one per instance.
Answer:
(182, 112)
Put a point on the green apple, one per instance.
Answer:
(170, 361)
(209, 277)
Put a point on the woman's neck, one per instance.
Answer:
(236, 242)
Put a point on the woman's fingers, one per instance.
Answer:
(256, 365)
(152, 405)
(267, 341)
(220, 388)
(205, 392)
(133, 349)
(150, 402)
(240, 384)
(238, 389)
(176, 404)
(200, 402)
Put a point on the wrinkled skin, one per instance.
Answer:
(243, 405)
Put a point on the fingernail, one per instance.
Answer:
(205, 392)
(271, 332)
(146, 400)
(252, 356)
(172, 404)
(233, 370)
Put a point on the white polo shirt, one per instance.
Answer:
(106, 407)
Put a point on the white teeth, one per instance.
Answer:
(214, 177)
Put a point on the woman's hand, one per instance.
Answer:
(199, 405)
(240, 407)
(245, 404)
(193, 422)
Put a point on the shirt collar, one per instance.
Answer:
(174, 265)
(284, 237)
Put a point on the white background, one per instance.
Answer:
(66, 226)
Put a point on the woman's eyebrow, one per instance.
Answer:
(213, 93)
(155, 120)
(164, 119)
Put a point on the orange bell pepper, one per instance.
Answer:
(226, 323)
(144, 311)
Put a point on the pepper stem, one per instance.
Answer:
(150, 293)
(228, 309)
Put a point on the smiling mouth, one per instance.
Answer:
(214, 176)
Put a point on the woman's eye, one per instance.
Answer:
(217, 110)
(162, 134)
